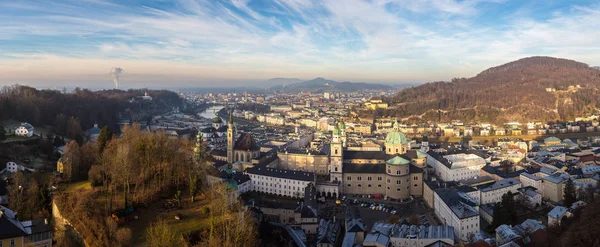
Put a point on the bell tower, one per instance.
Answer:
(230, 136)
(336, 155)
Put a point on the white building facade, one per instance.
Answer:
(455, 167)
(279, 182)
(458, 211)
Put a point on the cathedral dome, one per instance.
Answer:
(396, 137)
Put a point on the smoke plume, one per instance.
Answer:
(115, 72)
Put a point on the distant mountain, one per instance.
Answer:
(280, 82)
(534, 88)
(596, 67)
(320, 84)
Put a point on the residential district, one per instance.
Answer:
(324, 176)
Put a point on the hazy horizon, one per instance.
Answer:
(211, 44)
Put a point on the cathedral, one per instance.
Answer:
(244, 150)
(396, 172)
(393, 172)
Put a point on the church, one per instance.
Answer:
(394, 172)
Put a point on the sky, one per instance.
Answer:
(216, 43)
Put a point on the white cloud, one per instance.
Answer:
(367, 40)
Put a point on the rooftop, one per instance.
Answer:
(397, 161)
(460, 204)
(499, 185)
(423, 232)
(281, 173)
(557, 212)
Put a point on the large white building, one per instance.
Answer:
(533, 180)
(24, 129)
(456, 166)
(457, 209)
(279, 182)
(494, 191)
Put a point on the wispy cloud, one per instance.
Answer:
(366, 40)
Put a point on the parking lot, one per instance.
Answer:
(373, 210)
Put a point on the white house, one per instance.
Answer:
(557, 214)
(24, 129)
(530, 196)
(13, 167)
(457, 210)
(494, 192)
(279, 181)
(455, 167)
(533, 180)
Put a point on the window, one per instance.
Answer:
(398, 182)
(349, 185)
(416, 178)
(336, 169)
(359, 178)
(396, 150)
(359, 185)
(379, 178)
(379, 185)
(369, 178)
(398, 172)
(369, 186)
(336, 151)
(349, 178)
(12, 242)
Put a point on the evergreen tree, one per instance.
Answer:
(105, 135)
(570, 193)
(504, 212)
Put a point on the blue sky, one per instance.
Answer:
(243, 42)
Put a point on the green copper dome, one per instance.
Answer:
(337, 131)
(395, 137)
(397, 161)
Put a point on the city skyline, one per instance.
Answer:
(242, 43)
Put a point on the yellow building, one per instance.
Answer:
(376, 103)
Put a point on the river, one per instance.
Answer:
(211, 111)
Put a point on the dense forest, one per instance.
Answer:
(516, 91)
(71, 112)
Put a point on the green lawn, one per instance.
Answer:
(82, 185)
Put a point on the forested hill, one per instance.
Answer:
(534, 88)
(71, 112)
